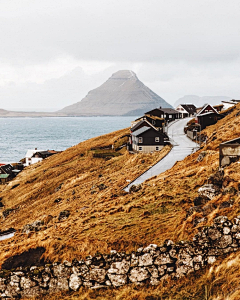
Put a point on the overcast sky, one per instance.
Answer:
(54, 51)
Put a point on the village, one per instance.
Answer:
(148, 133)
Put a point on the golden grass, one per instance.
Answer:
(106, 219)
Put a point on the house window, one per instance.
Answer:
(157, 148)
(157, 139)
(140, 140)
(140, 148)
(170, 116)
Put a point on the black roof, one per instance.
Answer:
(190, 108)
(140, 123)
(7, 169)
(164, 110)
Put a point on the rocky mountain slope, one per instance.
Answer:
(200, 101)
(122, 94)
(72, 205)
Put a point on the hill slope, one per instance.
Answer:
(103, 217)
(122, 94)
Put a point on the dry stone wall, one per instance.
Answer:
(150, 264)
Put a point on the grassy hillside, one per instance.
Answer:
(103, 217)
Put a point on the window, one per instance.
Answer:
(140, 140)
(140, 148)
(157, 139)
(157, 148)
(153, 122)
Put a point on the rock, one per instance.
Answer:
(209, 191)
(225, 161)
(211, 259)
(102, 187)
(119, 268)
(193, 209)
(201, 156)
(153, 271)
(63, 215)
(161, 270)
(31, 292)
(200, 200)
(135, 188)
(197, 221)
(117, 280)
(220, 220)
(216, 178)
(229, 190)
(163, 259)
(58, 284)
(207, 209)
(138, 274)
(214, 234)
(59, 270)
(150, 248)
(27, 283)
(145, 260)
(154, 281)
(224, 241)
(98, 275)
(226, 230)
(75, 282)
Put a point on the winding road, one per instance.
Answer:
(182, 147)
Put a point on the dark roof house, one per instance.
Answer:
(148, 139)
(186, 110)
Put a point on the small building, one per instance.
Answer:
(218, 107)
(147, 120)
(207, 116)
(229, 103)
(147, 139)
(229, 152)
(4, 178)
(186, 110)
(169, 114)
(35, 156)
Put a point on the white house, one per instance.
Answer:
(29, 159)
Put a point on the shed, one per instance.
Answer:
(229, 152)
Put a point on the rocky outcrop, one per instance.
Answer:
(146, 265)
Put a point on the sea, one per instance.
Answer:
(17, 135)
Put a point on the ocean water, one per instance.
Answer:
(17, 135)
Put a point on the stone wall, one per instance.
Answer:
(150, 264)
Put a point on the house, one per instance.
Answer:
(148, 120)
(168, 114)
(148, 139)
(218, 107)
(7, 172)
(186, 110)
(230, 103)
(34, 156)
(229, 152)
(207, 116)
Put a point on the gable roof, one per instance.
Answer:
(140, 123)
(190, 108)
(163, 110)
(204, 106)
(141, 130)
(7, 169)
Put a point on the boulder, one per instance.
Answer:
(138, 274)
(209, 191)
(117, 280)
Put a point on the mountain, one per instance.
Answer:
(122, 94)
(200, 101)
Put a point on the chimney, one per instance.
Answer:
(35, 148)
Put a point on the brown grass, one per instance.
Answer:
(106, 219)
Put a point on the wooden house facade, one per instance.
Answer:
(207, 116)
(186, 110)
(148, 139)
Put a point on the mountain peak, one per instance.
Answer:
(123, 74)
(122, 94)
